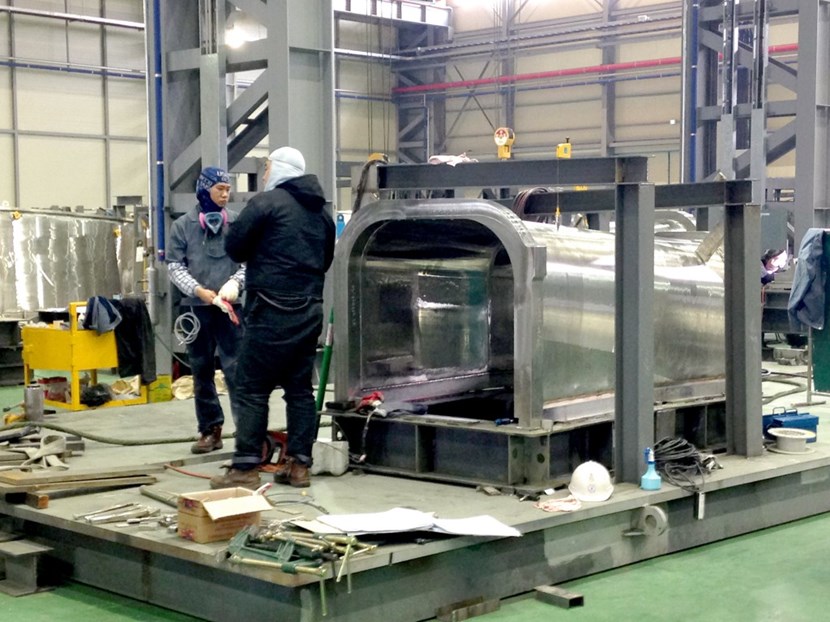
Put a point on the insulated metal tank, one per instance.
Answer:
(50, 258)
(445, 298)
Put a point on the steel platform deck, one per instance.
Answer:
(403, 581)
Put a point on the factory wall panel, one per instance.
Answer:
(5, 48)
(478, 14)
(548, 96)
(637, 4)
(579, 122)
(655, 110)
(6, 119)
(567, 59)
(79, 109)
(781, 33)
(128, 169)
(562, 9)
(663, 166)
(782, 167)
(125, 49)
(127, 107)
(649, 50)
(54, 171)
(42, 39)
(130, 10)
(366, 38)
(365, 127)
(7, 170)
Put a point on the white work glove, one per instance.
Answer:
(220, 302)
(230, 291)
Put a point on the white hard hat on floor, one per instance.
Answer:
(591, 482)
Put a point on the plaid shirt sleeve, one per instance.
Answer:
(180, 277)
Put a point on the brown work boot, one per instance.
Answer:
(299, 476)
(283, 471)
(210, 441)
(294, 473)
(236, 477)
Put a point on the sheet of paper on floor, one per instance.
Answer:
(401, 520)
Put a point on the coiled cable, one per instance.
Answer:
(682, 465)
(186, 328)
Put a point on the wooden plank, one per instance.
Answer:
(39, 501)
(17, 477)
(110, 482)
(92, 485)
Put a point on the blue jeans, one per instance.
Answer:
(216, 334)
(278, 349)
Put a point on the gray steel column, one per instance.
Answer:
(742, 302)
(758, 99)
(812, 164)
(212, 98)
(608, 98)
(301, 83)
(15, 120)
(725, 161)
(634, 329)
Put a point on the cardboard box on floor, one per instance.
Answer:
(213, 515)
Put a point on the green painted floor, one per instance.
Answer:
(779, 574)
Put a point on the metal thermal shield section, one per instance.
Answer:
(450, 297)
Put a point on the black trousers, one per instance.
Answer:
(278, 349)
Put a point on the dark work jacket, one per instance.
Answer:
(134, 340)
(286, 238)
(806, 305)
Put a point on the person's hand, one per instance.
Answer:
(205, 295)
(229, 291)
(779, 262)
(220, 302)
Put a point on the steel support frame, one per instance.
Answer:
(812, 123)
(742, 302)
(633, 329)
(201, 128)
(634, 203)
(707, 152)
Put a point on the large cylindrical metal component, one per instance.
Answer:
(444, 298)
(50, 258)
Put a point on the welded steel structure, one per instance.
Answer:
(454, 302)
(50, 258)
(463, 297)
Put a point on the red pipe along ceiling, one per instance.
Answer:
(561, 73)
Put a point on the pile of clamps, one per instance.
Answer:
(297, 552)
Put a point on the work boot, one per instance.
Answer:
(293, 473)
(236, 477)
(283, 471)
(209, 441)
(300, 476)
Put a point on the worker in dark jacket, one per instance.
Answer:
(286, 237)
(210, 283)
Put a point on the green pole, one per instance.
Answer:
(325, 364)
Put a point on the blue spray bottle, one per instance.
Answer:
(651, 478)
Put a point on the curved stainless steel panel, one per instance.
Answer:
(578, 323)
(437, 298)
(50, 258)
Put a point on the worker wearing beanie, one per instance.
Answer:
(287, 239)
(201, 269)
